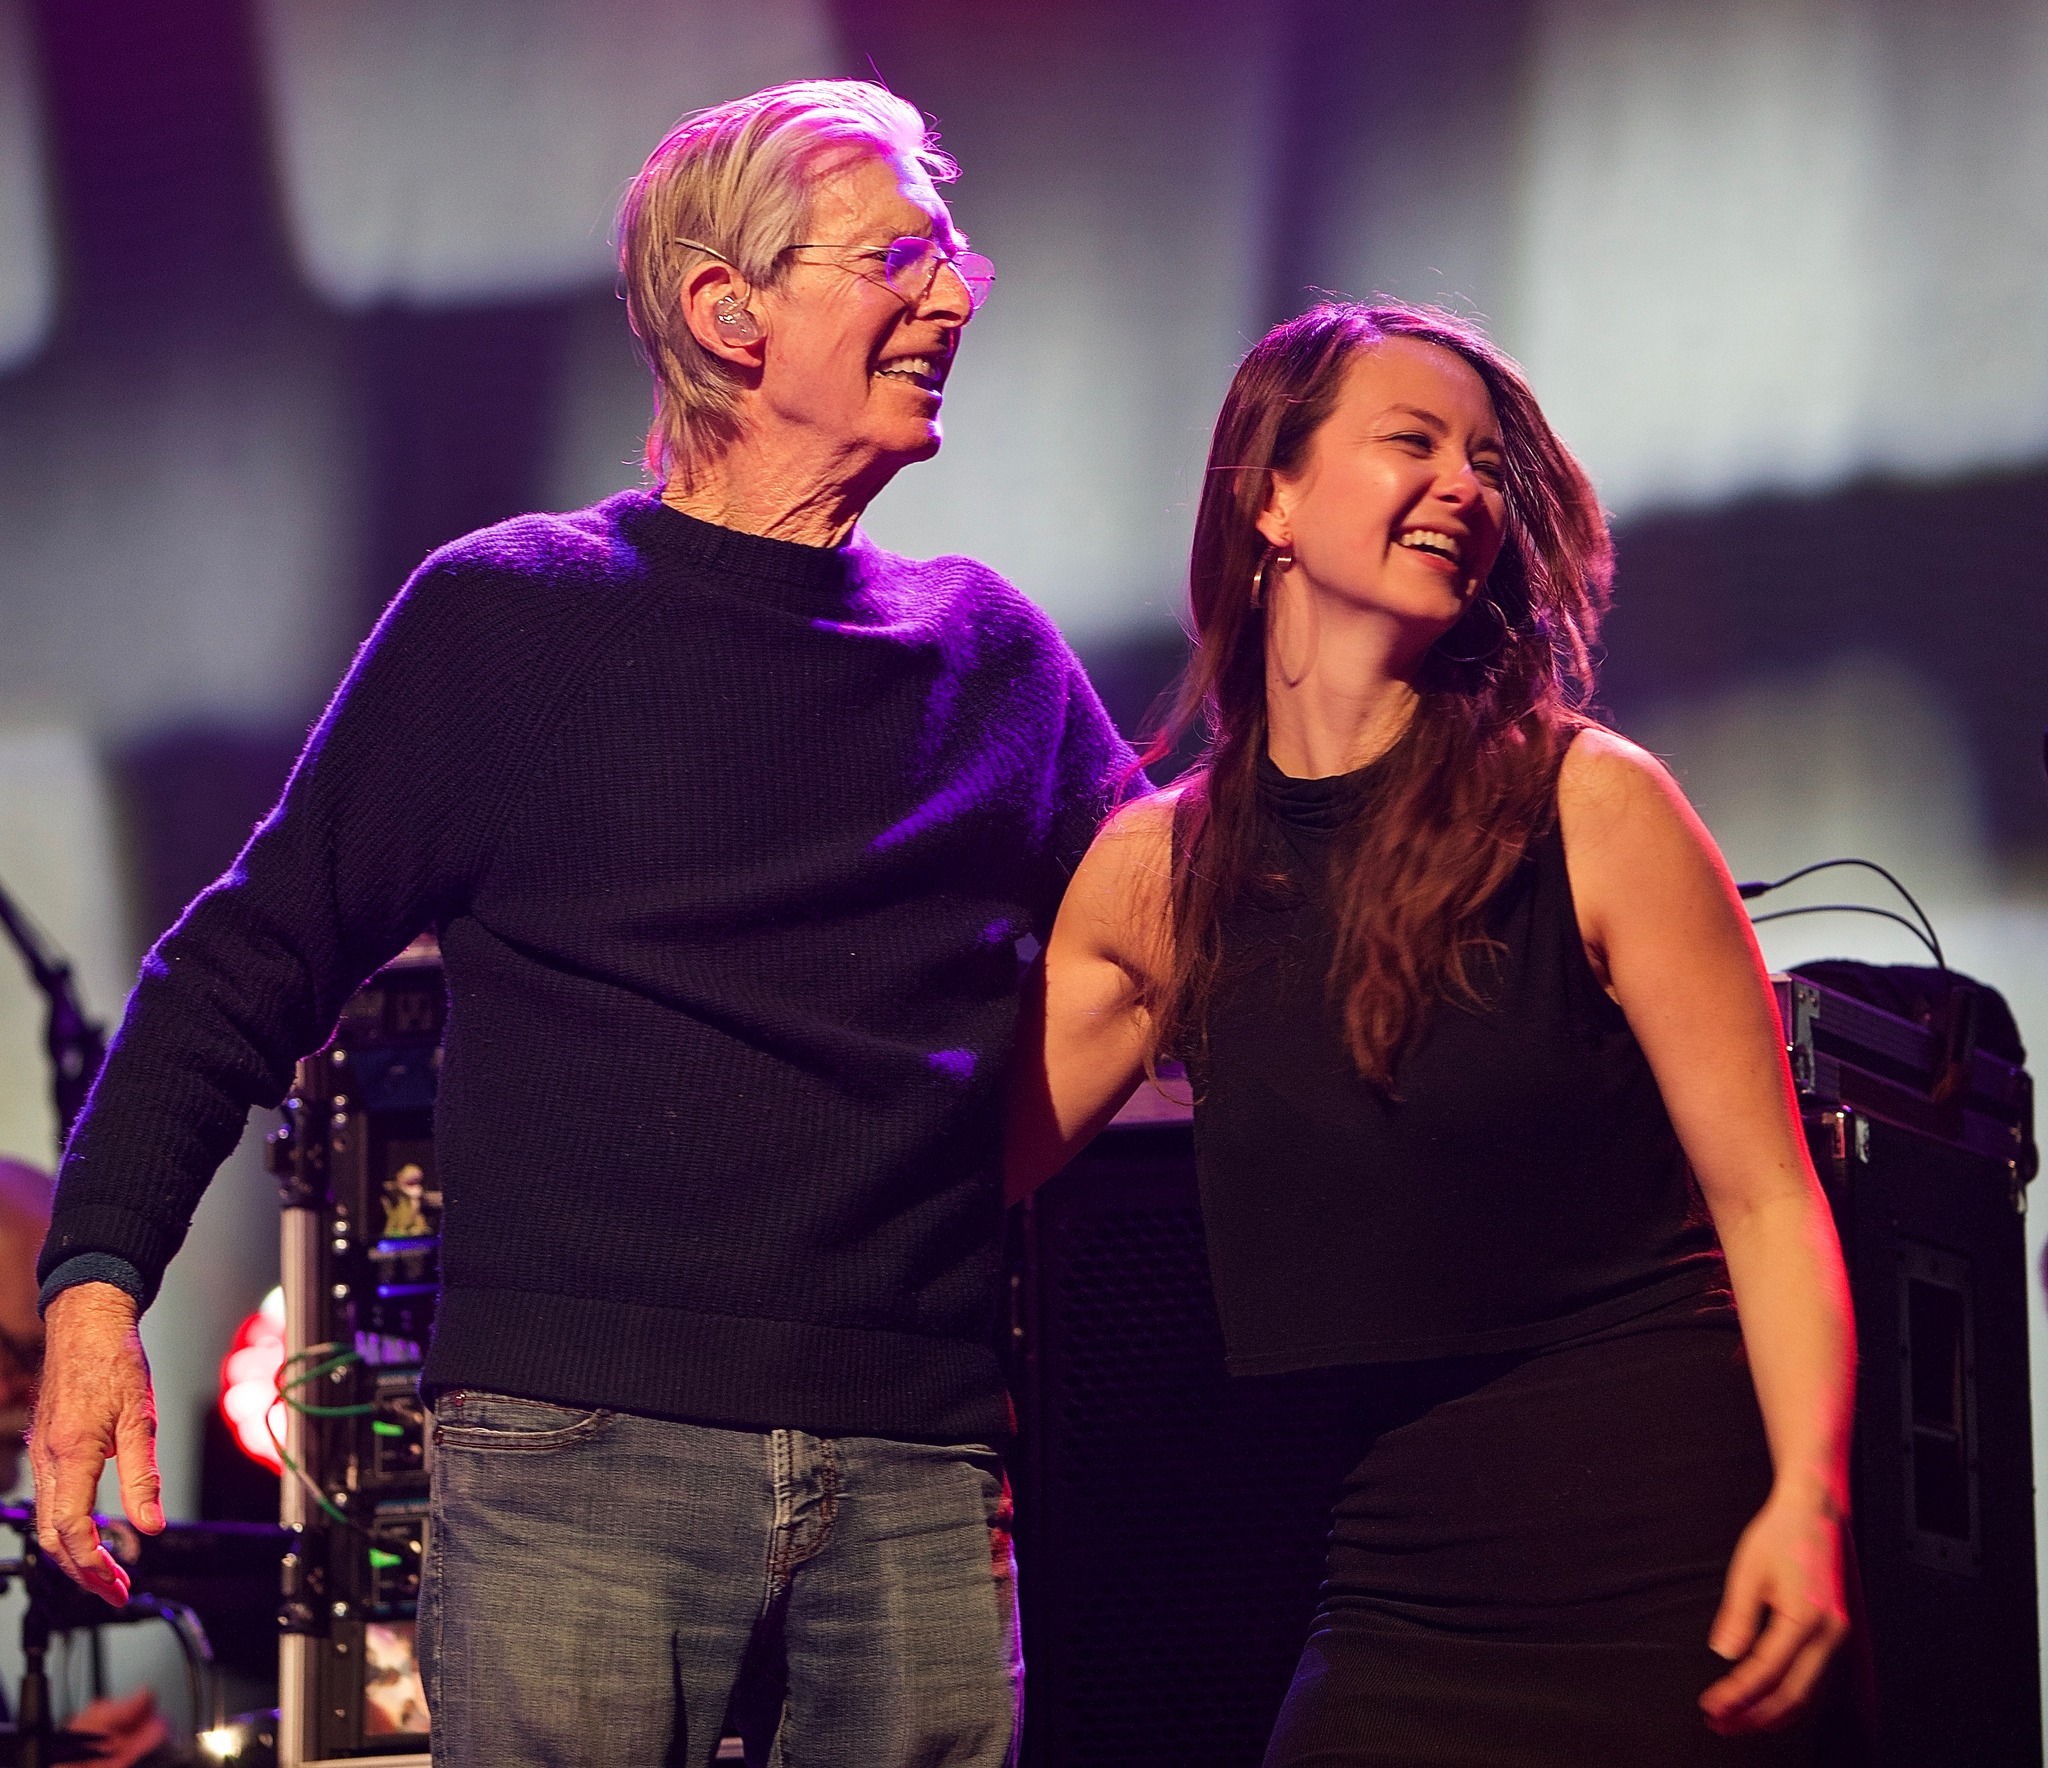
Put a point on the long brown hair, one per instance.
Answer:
(1473, 778)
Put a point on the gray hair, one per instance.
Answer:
(738, 179)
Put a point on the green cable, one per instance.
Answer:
(319, 1497)
(285, 1389)
(284, 1392)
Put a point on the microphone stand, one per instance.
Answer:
(32, 1721)
(77, 1046)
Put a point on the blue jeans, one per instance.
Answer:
(601, 1588)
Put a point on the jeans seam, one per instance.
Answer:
(785, 1549)
(781, 1471)
(427, 1617)
(828, 1494)
(529, 1442)
(827, 1467)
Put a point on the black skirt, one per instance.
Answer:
(1527, 1556)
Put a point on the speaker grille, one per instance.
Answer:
(1174, 1539)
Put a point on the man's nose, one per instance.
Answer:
(946, 296)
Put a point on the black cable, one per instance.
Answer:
(1851, 908)
(31, 941)
(1924, 933)
(202, 1679)
(77, 1046)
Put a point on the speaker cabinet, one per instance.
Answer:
(1171, 1521)
(1943, 1474)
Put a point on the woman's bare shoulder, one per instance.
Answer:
(1638, 852)
(1602, 759)
(1122, 886)
(1145, 825)
(1608, 782)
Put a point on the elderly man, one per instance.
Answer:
(729, 824)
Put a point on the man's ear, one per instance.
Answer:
(715, 302)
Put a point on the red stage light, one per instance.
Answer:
(248, 1383)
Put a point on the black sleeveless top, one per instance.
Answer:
(1523, 1184)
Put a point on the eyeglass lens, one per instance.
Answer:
(913, 262)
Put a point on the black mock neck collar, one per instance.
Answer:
(1321, 806)
(807, 578)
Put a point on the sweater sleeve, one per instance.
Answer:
(1095, 770)
(378, 835)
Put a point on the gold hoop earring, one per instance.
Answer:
(1274, 556)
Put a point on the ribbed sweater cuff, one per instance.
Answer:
(94, 1267)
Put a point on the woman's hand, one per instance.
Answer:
(1781, 1618)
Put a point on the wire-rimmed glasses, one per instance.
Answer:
(910, 265)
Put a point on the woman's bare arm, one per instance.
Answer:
(1084, 1029)
(1667, 935)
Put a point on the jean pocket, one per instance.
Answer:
(466, 1418)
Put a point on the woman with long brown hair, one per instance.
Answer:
(1491, 1104)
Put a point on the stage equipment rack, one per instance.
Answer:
(361, 1209)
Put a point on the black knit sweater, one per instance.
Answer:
(728, 842)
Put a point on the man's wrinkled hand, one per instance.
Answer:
(94, 1405)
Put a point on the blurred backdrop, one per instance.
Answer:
(292, 291)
